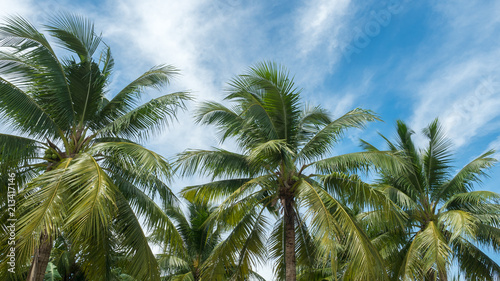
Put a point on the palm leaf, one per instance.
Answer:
(143, 265)
(146, 119)
(127, 98)
(321, 142)
(24, 113)
(76, 34)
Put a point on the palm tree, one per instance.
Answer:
(79, 167)
(447, 222)
(281, 143)
(199, 241)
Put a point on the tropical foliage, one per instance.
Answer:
(199, 241)
(283, 169)
(79, 167)
(448, 222)
(91, 198)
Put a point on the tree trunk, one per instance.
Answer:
(290, 263)
(40, 258)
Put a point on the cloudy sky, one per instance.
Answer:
(404, 59)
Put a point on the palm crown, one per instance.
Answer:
(76, 157)
(281, 142)
(447, 220)
(199, 241)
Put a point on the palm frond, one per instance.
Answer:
(214, 163)
(474, 263)
(471, 200)
(76, 34)
(467, 176)
(134, 158)
(436, 157)
(459, 223)
(15, 150)
(361, 161)
(23, 113)
(243, 248)
(127, 99)
(331, 223)
(51, 90)
(143, 265)
(321, 141)
(213, 191)
(146, 119)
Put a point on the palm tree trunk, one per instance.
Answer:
(41, 258)
(290, 262)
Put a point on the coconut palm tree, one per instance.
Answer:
(80, 169)
(448, 222)
(282, 169)
(199, 241)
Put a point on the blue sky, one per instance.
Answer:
(404, 59)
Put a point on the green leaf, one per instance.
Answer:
(51, 273)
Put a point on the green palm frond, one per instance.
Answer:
(398, 197)
(270, 98)
(270, 152)
(361, 161)
(51, 90)
(486, 234)
(215, 163)
(243, 248)
(134, 157)
(75, 34)
(358, 193)
(15, 150)
(331, 222)
(144, 206)
(23, 113)
(228, 122)
(475, 264)
(321, 141)
(41, 204)
(52, 273)
(472, 201)
(468, 175)
(127, 99)
(146, 119)
(459, 223)
(436, 157)
(143, 265)
(213, 191)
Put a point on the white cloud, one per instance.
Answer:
(465, 96)
(314, 47)
(320, 21)
(19, 7)
(460, 82)
(208, 41)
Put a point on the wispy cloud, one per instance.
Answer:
(20, 7)
(319, 23)
(459, 82)
(208, 41)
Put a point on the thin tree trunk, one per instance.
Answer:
(290, 262)
(40, 258)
